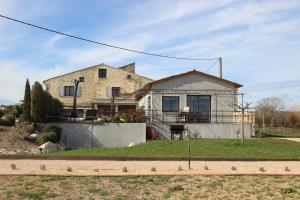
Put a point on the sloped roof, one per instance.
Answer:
(149, 85)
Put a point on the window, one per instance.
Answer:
(69, 91)
(128, 76)
(81, 79)
(115, 91)
(170, 104)
(200, 104)
(102, 73)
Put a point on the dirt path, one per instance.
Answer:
(292, 139)
(114, 168)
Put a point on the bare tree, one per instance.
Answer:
(269, 111)
(293, 118)
(243, 108)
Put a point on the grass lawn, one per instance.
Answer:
(200, 148)
(150, 187)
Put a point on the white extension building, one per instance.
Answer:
(203, 103)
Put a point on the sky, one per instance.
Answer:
(259, 41)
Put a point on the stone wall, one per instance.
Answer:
(93, 87)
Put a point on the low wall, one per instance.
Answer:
(218, 130)
(81, 135)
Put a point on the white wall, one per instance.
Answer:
(222, 94)
(81, 135)
(218, 130)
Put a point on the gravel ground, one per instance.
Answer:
(115, 168)
(10, 144)
(150, 187)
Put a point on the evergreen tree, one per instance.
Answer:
(38, 105)
(27, 103)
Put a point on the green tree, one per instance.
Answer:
(38, 106)
(27, 103)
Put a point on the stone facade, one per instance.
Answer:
(96, 90)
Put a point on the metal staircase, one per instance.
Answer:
(160, 126)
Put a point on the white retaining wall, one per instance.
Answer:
(81, 135)
(218, 130)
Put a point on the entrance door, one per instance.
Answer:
(200, 108)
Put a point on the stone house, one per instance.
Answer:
(102, 85)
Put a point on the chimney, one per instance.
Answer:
(129, 68)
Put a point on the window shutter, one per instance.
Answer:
(121, 91)
(79, 92)
(61, 91)
(108, 91)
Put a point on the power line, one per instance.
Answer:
(211, 66)
(103, 44)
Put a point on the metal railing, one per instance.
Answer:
(213, 116)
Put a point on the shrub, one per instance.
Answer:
(50, 133)
(137, 116)
(27, 103)
(105, 119)
(4, 122)
(287, 190)
(51, 127)
(8, 120)
(14, 110)
(50, 136)
(23, 129)
(1, 113)
(117, 119)
(38, 105)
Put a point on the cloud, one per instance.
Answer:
(156, 12)
(50, 43)
(14, 75)
(286, 90)
(279, 85)
(255, 38)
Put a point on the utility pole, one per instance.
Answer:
(220, 67)
(189, 147)
(112, 106)
(74, 110)
(263, 121)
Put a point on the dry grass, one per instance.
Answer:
(12, 141)
(150, 187)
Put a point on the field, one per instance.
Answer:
(150, 187)
(282, 132)
(200, 148)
